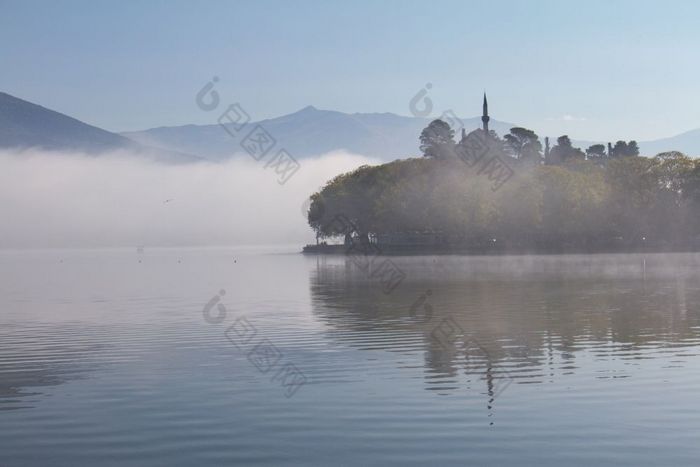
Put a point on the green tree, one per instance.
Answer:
(564, 150)
(632, 148)
(673, 170)
(634, 186)
(437, 140)
(346, 204)
(580, 203)
(691, 197)
(596, 152)
(623, 149)
(523, 144)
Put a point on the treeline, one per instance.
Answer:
(595, 198)
(437, 140)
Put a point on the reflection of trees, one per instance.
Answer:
(525, 317)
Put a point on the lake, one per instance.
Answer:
(263, 356)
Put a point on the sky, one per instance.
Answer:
(596, 70)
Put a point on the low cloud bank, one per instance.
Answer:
(50, 199)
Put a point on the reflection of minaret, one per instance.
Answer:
(485, 115)
(489, 389)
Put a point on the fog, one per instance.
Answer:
(50, 199)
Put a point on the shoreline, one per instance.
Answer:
(423, 250)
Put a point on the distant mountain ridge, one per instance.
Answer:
(687, 142)
(24, 125)
(309, 132)
(306, 133)
(387, 136)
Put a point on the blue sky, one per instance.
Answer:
(594, 69)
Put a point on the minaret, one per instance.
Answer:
(485, 116)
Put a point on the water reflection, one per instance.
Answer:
(118, 362)
(42, 357)
(525, 320)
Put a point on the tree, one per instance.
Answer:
(564, 150)
(673, 170)
(346, 204)
(523, 144)
(619, 149)
(634, 186)
(632, 148)
(596, 152)
(623, 149)
(571, 203)
(437, 140)
(691, 195)
(628, 200)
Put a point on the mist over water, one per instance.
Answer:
(50, 199)
(106, 358)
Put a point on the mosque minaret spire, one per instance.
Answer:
(485, 116)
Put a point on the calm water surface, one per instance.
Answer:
(106, 358)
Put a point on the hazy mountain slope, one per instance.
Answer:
(688, 142)
(308, 132)
(27, 125)
(387, 136)
(23, 124)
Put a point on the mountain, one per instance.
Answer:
(688, 143)
(27, 125)
(23, 124)
(306, 133)
(310, 132)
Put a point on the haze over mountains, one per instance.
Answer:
(307, 133)
(387, 136)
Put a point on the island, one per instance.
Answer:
(487, 194)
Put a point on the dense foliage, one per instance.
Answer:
(591, 198)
